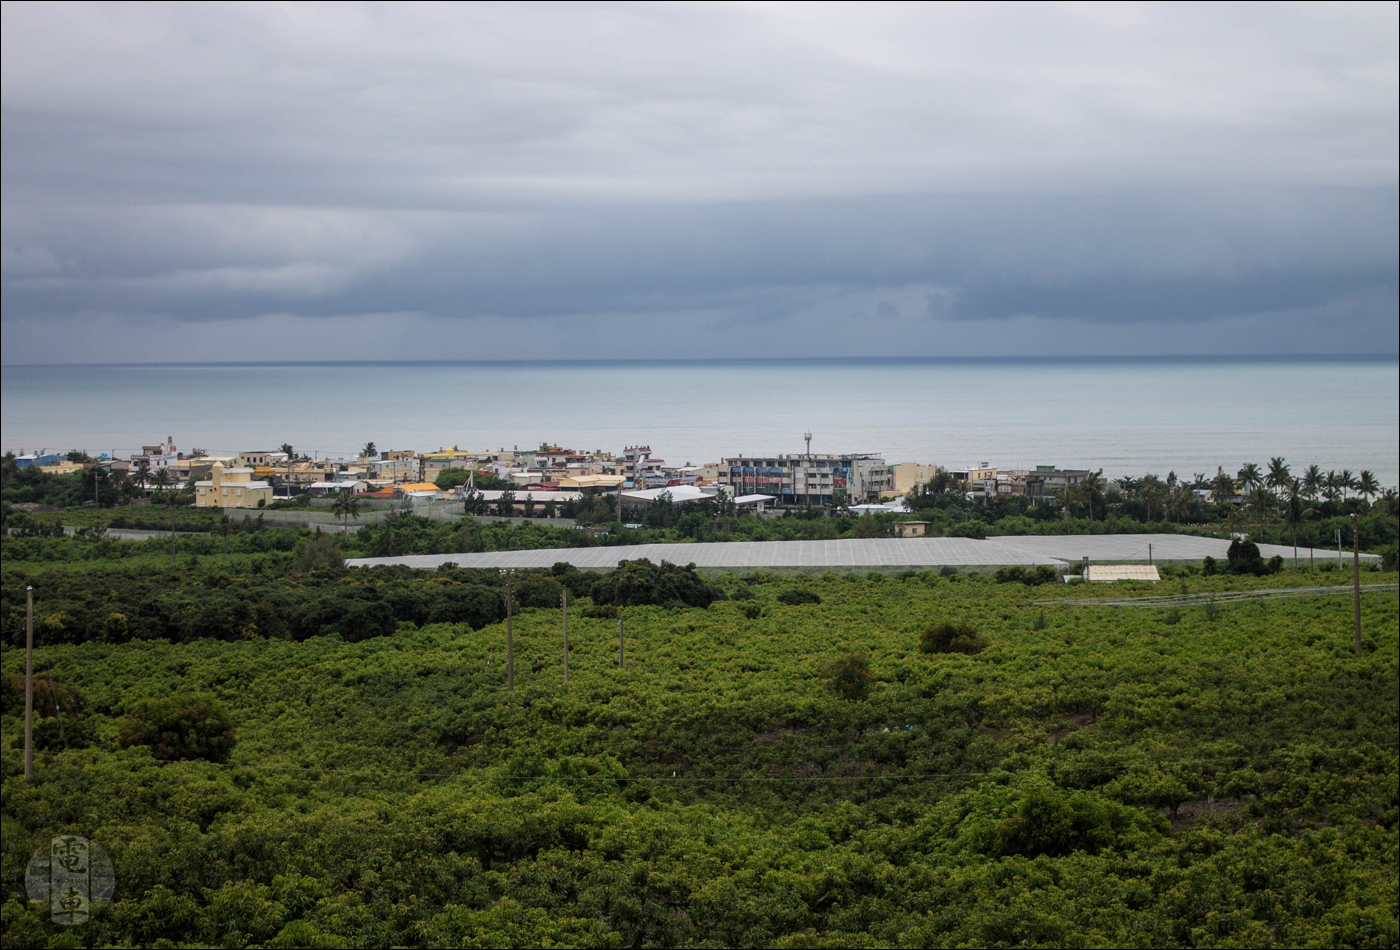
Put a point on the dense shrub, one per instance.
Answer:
(48, 695)
(849, 676)
(538, 590)
(181, 727)
(952, 637)
(639, 582)
(1244, 558)
(1049, 822)
(796, 595)
(319, 553)
(1030, 576)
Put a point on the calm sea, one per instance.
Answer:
(1127, 416)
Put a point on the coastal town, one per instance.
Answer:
(547, 477)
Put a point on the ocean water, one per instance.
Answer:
(1126, 416)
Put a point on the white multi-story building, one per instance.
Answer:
(808, 479)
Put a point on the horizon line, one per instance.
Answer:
(698, 361)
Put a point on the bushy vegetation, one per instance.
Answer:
(1086, 778)
(180, 727)
(1030, 576)
(952, 637)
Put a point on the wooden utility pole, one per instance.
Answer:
(510, 639)
(564, 603)
(1356, 580)
(28, 681)
(621, 641)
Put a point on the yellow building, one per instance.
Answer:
(231, 488)
(909, 476)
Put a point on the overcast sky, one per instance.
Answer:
(223, 182)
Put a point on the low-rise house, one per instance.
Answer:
(1046, 480)
(231, 488)
(255, 459)
(909, 476)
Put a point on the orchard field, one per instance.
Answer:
(760, 772)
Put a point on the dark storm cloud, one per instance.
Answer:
(691, 176)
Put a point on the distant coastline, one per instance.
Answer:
(1203, 359)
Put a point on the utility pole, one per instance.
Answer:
(510, 639)
(28, 681)
(1356, 580)
(621, 640)
(564, 603)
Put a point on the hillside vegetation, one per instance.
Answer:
(922, 761)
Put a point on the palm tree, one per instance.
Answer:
(1152, 491)
(346, 506)
(1129, 485)
(1179, 502)
(1312, 481)
(1250, 476)
(1222, 487)
(1090, 488)
(1389, 501)
(1066, 496)
(1277, 476)
(1367, 486)
(1330, 491)
(286, 448)
(1345, 480)
(370, 450)
(1263, 500)
(1232, 520)
(1293, 512)
(143, 472)
(164, 481)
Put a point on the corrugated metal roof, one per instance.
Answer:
(1055, 550)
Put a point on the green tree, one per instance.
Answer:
(1367, 486)
(1312, 481)
(1222, 487)
(346, 506)
(1250, 476)
(1263, 502)
(1152, 492)
(450, 478)
(320, 553)
(1091, 489)
(952, 637)
(1294, 511)
(1179, 503)
(181, 727)
(370, 450)
(505, 505)
(849, 676)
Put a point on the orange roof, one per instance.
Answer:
(418, 486)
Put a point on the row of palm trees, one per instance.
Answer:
(1273, 489)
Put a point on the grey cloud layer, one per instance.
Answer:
(816, 172)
